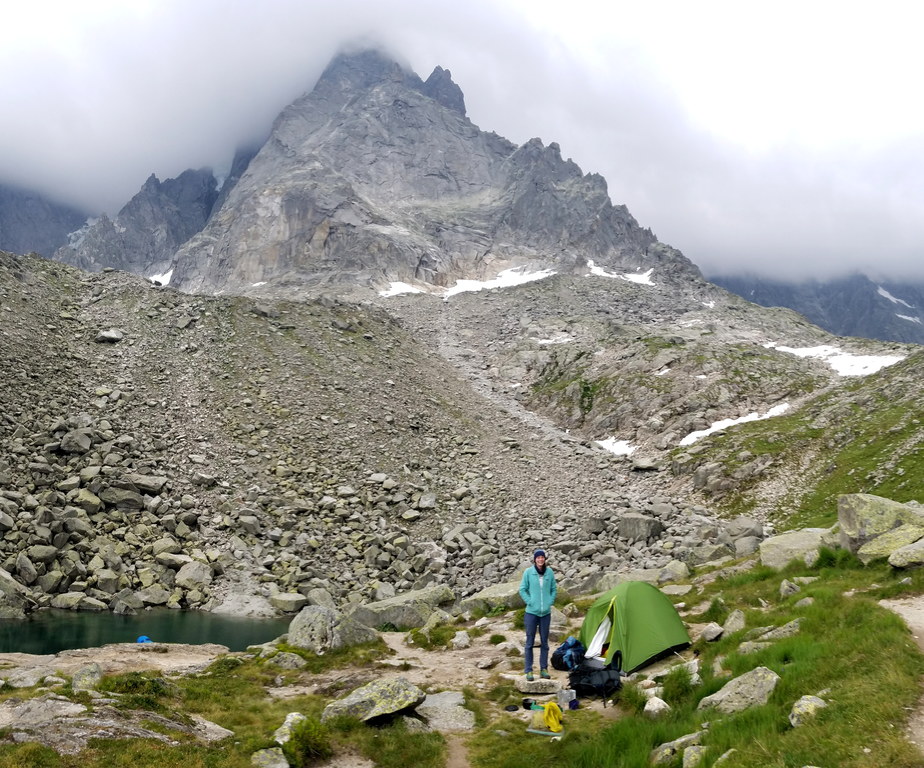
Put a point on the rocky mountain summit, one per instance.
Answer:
(376, 176)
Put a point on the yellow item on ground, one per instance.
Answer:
(552, 717)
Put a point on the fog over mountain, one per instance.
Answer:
(800, 166)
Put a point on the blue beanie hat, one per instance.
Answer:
(538, 553)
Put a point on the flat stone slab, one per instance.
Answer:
(446, 711)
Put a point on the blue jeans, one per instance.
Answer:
(532, 623)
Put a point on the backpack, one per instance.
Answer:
(568, 655)
(587, 680)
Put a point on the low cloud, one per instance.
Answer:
(122, 90)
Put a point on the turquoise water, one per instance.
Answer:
(53, 630)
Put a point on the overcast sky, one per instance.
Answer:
(781, 139)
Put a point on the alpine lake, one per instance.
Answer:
(51, 631)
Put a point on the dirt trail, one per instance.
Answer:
(911, 609)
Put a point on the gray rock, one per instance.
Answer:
(803, 545)
(446, 712)
(667, 752)
(381, 697)
(734, 623)
(284, 732)
(505, 595)
(194, 575)
(269, 758)
(805, 709)
(318, 629)
(405, 611)
(751, 689)
(634, 526)
(87, 678)
(290, 602)
(288, 661)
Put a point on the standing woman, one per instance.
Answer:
(538, 590)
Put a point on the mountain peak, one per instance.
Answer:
(362, 69)
(440, 87)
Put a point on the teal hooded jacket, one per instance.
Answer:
(538, 599)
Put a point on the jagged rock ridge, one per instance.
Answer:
(376, 176)
(148, 230)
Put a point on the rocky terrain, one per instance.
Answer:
(165, 448)
(279, 427)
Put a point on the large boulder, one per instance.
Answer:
(319, 629)
(752, 689)
(504, 596)
(777, 551)
(634, 526)
(381, 697)
(862, 517)
(14, 597)
(194, 575)
(405, 611)
(890, 541)
(910, 556)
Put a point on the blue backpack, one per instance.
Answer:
(568, 655)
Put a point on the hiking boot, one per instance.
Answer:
(544, 674)
(529, 677)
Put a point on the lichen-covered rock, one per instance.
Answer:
(885, 544)
(665, 753)
(751, 689)
(693, 756)
(87, 678)
(910, 556)
(863, 516)
(806, 708)
(381, 697)
(269, 758)
(284, 732)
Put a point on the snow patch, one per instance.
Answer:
(776, 410)
(844, 363)
(619, 447)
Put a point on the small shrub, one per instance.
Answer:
(497, 639)
(631, 699)
(309, 743)
(437, 637)
(842, 559)
(138, 691)
(716, 612)
(677, 686)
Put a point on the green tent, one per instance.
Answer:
(635, 618)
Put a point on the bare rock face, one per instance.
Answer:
(147, 231)
(377, 176)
